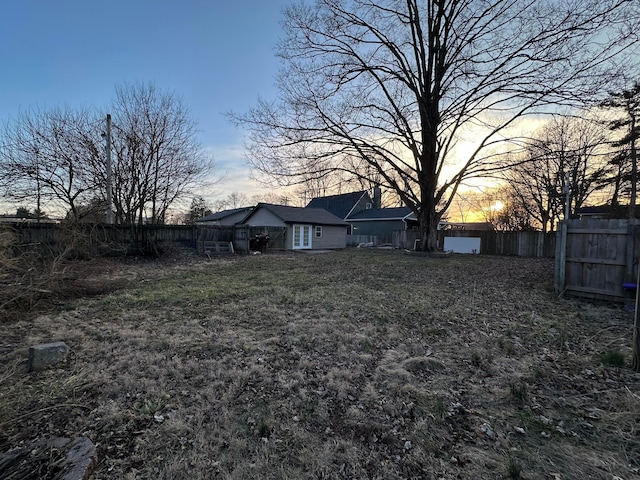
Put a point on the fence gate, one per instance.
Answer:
(595, 257)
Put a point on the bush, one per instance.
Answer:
(614, 358)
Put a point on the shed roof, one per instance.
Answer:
(315, 216)
(339, 205)
(223, 214)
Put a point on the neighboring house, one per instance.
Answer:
(345, 204)
(382, 222)
(225, 217)
(307, 228)
(365, 216)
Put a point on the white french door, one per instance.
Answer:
(301, 236)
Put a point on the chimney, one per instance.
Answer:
(377, 197)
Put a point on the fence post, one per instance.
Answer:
(561, 258)
(630, 260)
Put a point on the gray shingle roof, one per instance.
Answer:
(339, 205)
(223, 214)
(316, 216)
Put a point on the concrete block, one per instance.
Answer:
(81, 459)
(45, 354)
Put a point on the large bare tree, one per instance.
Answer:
(158, 159)
(391, 86)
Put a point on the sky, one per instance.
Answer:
(216, 55)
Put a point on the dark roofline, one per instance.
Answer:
(338, 195)
(378, 219)
(364, 192)
(222, 214)
(330, 202)
(317, 221)
(368, 215)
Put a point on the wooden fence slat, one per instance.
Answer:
(600, 257)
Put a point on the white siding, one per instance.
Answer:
(264, 218)
(332, 237)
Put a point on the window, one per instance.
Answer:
(318, 232)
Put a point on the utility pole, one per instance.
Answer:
(567, 202)
(108, 154)
(561, 242)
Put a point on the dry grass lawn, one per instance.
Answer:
(359, 364)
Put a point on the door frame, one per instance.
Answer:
(303, 230)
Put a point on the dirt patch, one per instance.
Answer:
(352, 364)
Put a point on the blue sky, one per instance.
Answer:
(218, 55)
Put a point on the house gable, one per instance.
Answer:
(344, 204)
(264, 218)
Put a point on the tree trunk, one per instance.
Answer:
(428, 231)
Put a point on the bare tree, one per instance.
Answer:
(237, 200)
(158, 159)
(50, 157)
(330, 183)
(470, 205)
(233, 200)
(513, 216)
(394, 84)
(567, 153)
(480, 204)
(271, 197)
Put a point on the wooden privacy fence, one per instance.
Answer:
(100, 239)
(117, 239)
(521, 244)
(355, 240)
(595, 257)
